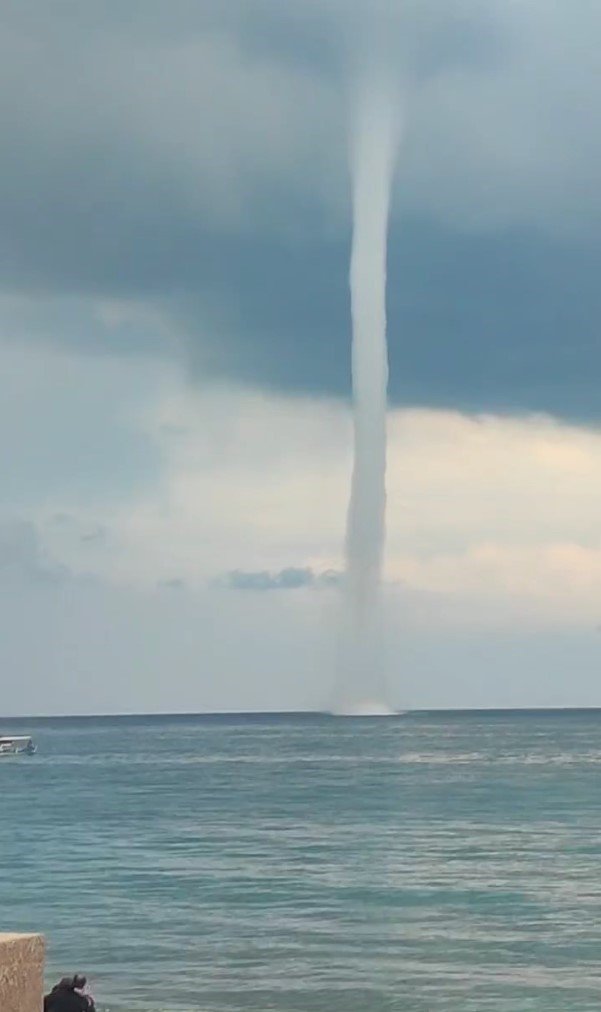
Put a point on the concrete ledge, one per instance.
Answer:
(21, 973)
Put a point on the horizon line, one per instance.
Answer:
(124, 715)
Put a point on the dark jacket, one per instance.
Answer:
(65, 999)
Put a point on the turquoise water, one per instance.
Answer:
(430, 862)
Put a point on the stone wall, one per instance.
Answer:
(21, 973)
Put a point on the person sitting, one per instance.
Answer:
(69, 996)
(80, 984)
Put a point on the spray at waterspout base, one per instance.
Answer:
(365, 708)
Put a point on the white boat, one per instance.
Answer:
(16, 745)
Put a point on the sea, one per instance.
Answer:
(304, 863)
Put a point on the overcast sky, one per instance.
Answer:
(175, 432)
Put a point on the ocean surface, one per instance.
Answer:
(446, 861)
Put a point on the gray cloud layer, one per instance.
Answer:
(291, 578)
(191, 159)
(22, 559)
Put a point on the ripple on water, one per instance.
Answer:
(434, 863)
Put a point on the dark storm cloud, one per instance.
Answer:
(190, 158)
(481, 322)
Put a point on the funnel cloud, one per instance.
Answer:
(373, 154)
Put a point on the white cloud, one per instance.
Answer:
(493, 547)
(495, 515)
